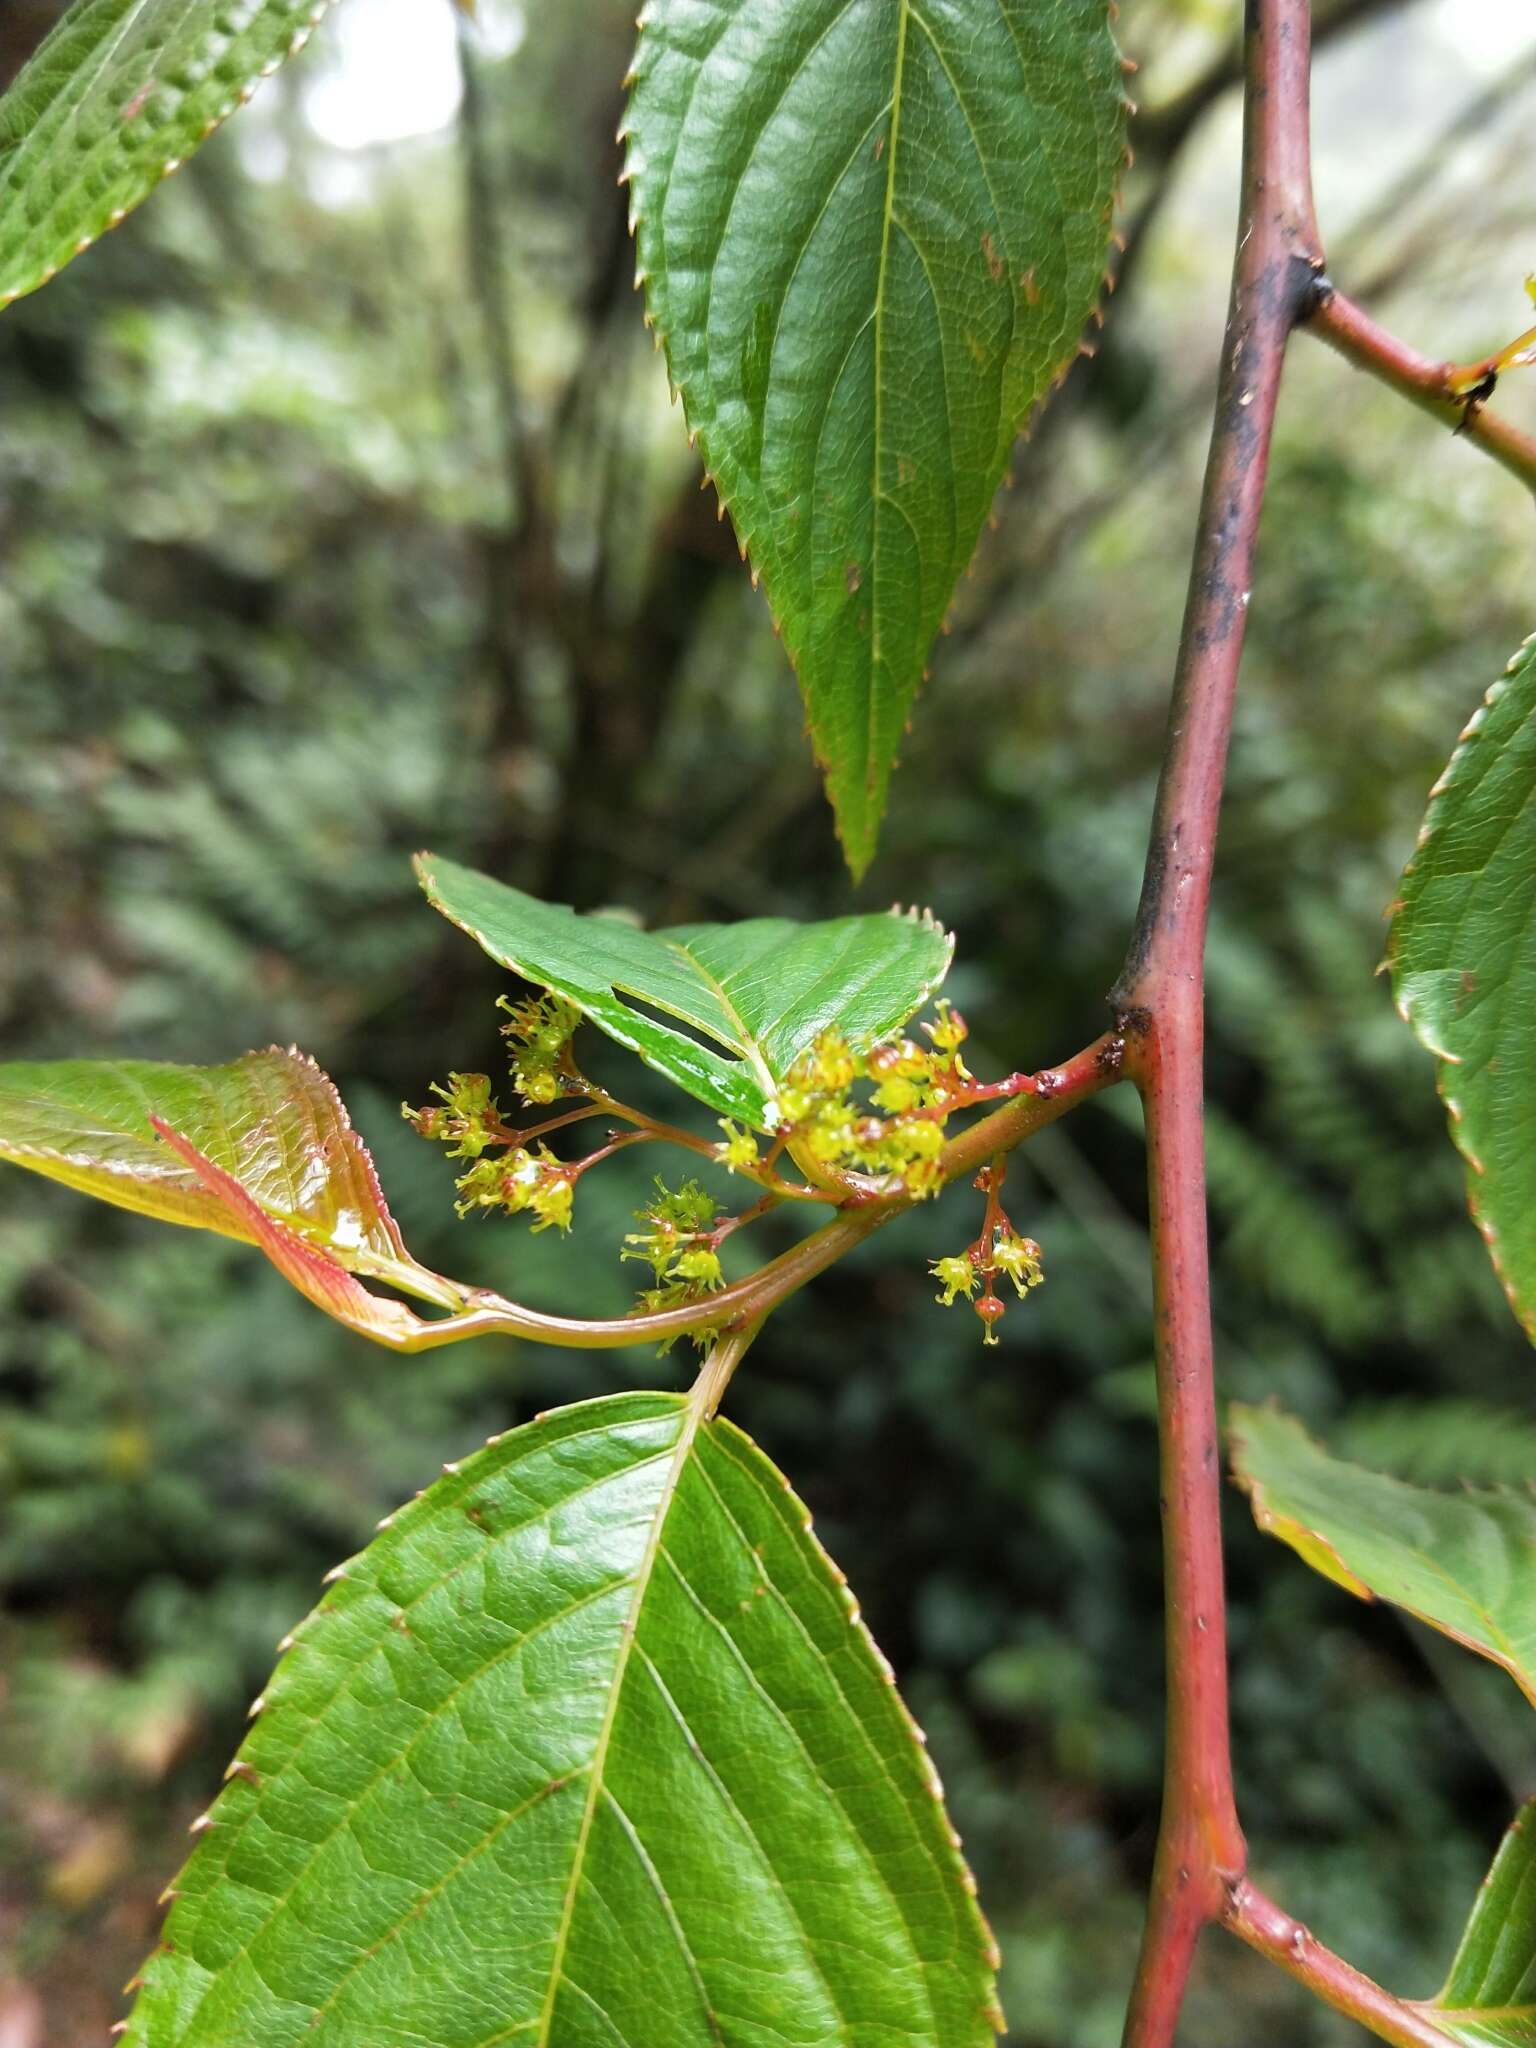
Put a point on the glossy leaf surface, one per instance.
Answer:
(587, 1749)
(1489, 1999)
(115, 97)
(870, 233)
(757, 993)
(1463, 958)
(1463, 1562)
(261, 1150)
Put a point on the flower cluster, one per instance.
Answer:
(678, 1245)
(467, 1119)
(858, 1123)
(539, 1030)
(999, 1249)
(738, 1153)
(894, 1131)
(527, 1178)
(468, 1122)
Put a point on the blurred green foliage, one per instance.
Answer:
(331, 528)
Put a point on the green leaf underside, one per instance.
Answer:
(1490, 1995)
(1463, 960)
(270, 1120)
(117, 95)
(588, 1750)
(760, 992)
(870, 233)
(1465, 1563)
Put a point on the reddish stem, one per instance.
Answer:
(990, 1181)
(1429, 385)
(1051, 1092)
(716, 1237)
(508, 1134)
(707, 1148)
(1285, 1942)
(617, 1142)
(1160, 998)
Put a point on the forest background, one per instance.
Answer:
(342, 512)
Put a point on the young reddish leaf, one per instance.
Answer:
(589, 1746)
(1463, 1562)
(315, 1273)
(261, 1150)
(1463, 960)
(870, 234)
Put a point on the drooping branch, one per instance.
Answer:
(1160, 999)
(1429, 385)
(481, 1313)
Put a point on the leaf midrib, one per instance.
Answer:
(746, 1043)
(693, 1417)
(1479, 2015)
(892, 152)
(317, 1716)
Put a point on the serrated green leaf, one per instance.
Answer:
(1463, 960)
(870, 233)
(588, 1748)
(1463, 1562)
(1489, 1999)
(261, 1150)
(120, 93)
(758, 993)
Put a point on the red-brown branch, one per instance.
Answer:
(1429, 385)
(1160, 997)
(1286, 1943)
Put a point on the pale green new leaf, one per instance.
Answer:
(1463, 1562)
(1489, 1999)
(757, 993)
(120, 93)
(870, 233)
(588, 1750)
(1463, 959)
(261, 1150)
(272, 1119)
